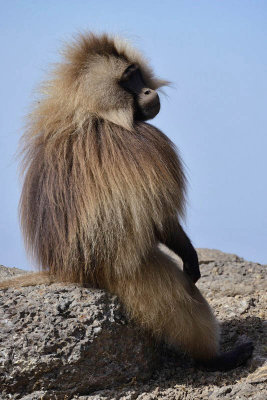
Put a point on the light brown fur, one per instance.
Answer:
(97, 185)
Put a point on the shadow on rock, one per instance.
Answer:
(180, 368)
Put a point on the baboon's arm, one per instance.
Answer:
(174, 237)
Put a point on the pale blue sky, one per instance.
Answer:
(214, 52)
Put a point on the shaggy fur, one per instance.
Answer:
(99, 185)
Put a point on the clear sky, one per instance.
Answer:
(214, 52)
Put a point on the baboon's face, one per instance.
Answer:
(146, 100)
(105, 77)
(114, 84)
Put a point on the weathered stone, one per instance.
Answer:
(51, 342)
(206, 256)
(68, 340)
(7, 273)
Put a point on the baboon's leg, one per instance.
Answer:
(165, 301)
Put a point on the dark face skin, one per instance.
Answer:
(147, 104)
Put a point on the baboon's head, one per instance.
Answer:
(105, 76)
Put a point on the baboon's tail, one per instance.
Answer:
(32, 279)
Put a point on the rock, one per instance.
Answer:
(65, 342)
(206, 256)
(240, 391)
(233, 278)
(7, 273)
(68, 340)
(259, 376)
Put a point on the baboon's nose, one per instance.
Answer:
(149, 94)
(149, 102)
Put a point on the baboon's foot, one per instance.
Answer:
(229, 360)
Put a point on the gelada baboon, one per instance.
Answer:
(102, 188)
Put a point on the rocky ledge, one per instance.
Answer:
(67, 342)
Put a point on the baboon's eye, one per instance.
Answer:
(132, 80)
(128, 72)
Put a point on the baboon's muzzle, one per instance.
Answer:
(148, 103)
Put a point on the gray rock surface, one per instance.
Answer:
(206, 256)
(67, 342)
(68, 339)
(7, 273)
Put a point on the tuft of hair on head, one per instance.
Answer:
(85, 83)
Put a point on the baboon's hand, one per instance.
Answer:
(192, 270)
